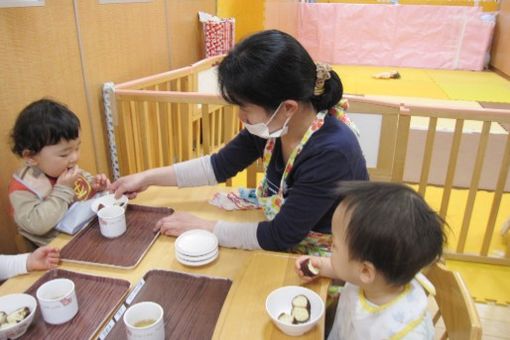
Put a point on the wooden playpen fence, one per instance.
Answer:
(162, 119)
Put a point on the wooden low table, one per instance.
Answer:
(254, 273)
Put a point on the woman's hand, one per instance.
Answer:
(100, 183)
(129, 185)
(43, 258)
(179, 222)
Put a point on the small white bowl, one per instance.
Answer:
(9, 304)
(108, 201)
(280, 301)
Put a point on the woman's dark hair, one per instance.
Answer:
(270, 67)
(43, 122)
(392, 227)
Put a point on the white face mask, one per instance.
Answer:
(262, 130)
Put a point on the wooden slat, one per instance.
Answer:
(145, 135)
(452, 164)
(157, 131)
(473, 188)
(404, 122)
(136, 136)
(214, 130)
(172, 96)
(476, 258)
(436, 317)
(457, 308)
(427, 156)
(155, 79)
(167, 131)
(167, 142)
(220, 135)
(386, 154)
(197, 136)
(496, 200)
(124, 139)
(186, 126)
(175, 85)
(465, 113)
(206, 129)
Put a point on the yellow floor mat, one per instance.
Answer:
(413, 82)
(487, 283)
(480, 92)
(436, 84)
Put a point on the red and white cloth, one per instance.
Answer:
(218, 34)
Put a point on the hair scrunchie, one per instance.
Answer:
(322, 75)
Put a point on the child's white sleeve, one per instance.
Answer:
(12, 265)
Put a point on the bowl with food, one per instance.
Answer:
(16, 314)
(294, 310)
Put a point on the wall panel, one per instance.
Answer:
(119, 42)
(39, 57)
(185, 30)
(501, 45)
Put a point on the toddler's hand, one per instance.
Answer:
(315, 262)
(43, 258)
(69, 176)
(100, 183)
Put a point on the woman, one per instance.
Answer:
(287, 104)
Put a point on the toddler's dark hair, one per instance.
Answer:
(43, 122)
(271, 66)
(392, 227)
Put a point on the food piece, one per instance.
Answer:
(300, 314)
(18, 315)
(301, 301)
(286, 318)
(308, 268)
(100, 206)
(3, 318)
(7, 325)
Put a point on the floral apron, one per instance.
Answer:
(316, 244)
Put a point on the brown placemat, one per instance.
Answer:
(192, 304)
(125, 251)
(97, 297)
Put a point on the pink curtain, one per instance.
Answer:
(443, 37)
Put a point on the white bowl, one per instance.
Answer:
(108, 201)
(9, 304)
(280, 301)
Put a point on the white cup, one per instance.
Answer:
(112, 221)
(58, 302)
(144, 320)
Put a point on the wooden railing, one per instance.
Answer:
(162, 119)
